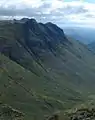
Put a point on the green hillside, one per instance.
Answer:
(41, 70)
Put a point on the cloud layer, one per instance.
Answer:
(56, 11)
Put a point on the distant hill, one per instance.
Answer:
(91, 46)
(42, 71)
(82, 34)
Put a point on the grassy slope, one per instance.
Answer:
(33, 95)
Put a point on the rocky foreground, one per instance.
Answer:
(83, 114)
(87, 113)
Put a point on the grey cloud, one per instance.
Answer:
(23, 10)
(40, 13)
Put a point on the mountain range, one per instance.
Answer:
(42, 71)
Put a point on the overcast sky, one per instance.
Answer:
(57, 11)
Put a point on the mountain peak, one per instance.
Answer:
(40, 72)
